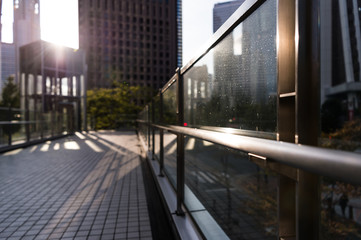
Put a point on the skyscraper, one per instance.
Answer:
(26, 21)
(7, 61)
(341, 54)
(222, 11)
(133, 41)
(26, 26)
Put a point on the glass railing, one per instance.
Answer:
(17, 132)
(236, 131)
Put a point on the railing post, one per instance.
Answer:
(153, 137)
(286, 112)
(180, 145)
(10, 127)
(161, 135)
(307, 115)
(148, 127)
(298, 109)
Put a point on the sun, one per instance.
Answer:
(59, 22)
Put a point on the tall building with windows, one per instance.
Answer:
(222, 11)
(341, 55)
(133, 41)
(26, 26)
(7, 61)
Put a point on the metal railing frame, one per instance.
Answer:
(295, 155)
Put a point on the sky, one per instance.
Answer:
(60, 28)
(56, 26)
(197, 25)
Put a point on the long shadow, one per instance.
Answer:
(159, 219)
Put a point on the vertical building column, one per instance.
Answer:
(27, 116)
(286, 112)
(161, 136)
(358, 33)
(346, 44)
(308, 113)
(180, 145)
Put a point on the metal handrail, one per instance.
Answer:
(238, 16)
(15, 122)
(337, 164)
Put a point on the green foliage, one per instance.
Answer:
(10, 94)
(10, 100)
(111, 108)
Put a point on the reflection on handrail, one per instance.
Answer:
(19, 122)
(333, 163)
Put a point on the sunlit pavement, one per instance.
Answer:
(87, 186)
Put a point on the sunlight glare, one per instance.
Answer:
(93, 146)
(71, 145)
(56, 146)
(79, 135)
(59, 22)
(33, 149)
(45, 147)
(13, 152)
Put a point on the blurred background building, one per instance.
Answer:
(26, 27)
(7, 61)
(340, 55)
(137, 41)
(222, 11)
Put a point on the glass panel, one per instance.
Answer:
(340, 210)
(170, 105)
(74, 86)
(235, 84)
(340, 113)
(39, 86)
(170, 157)
(64, 86)
(239, 195)
(143, 125)
(18, 134)
(157, 143)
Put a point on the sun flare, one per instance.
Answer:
(59, 22)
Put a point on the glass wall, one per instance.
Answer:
(240, 196)
(170, 105)
(235, 84)
(340, 113)
(170, 157)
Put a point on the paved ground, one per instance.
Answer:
(88, 186)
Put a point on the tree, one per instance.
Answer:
(10, 100)
(109, 108)
(10, 94)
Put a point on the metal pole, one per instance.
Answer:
(307, 114)
(161, 136)
(148, 125)
(286, 112)
(153, 134)
(180, 145)
(10, 127)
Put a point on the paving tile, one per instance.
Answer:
(56, 194)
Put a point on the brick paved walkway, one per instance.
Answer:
(88, 186)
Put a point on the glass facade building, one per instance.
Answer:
(138, 42)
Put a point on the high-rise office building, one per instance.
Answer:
(27, 22)
(133, 41)
(222, 11)
(341, 54)
(7, 61)
(26, 26)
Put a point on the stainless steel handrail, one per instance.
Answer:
(337, 164)
(238, 16)
(14, 122)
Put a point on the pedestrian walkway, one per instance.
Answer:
(86, 186)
